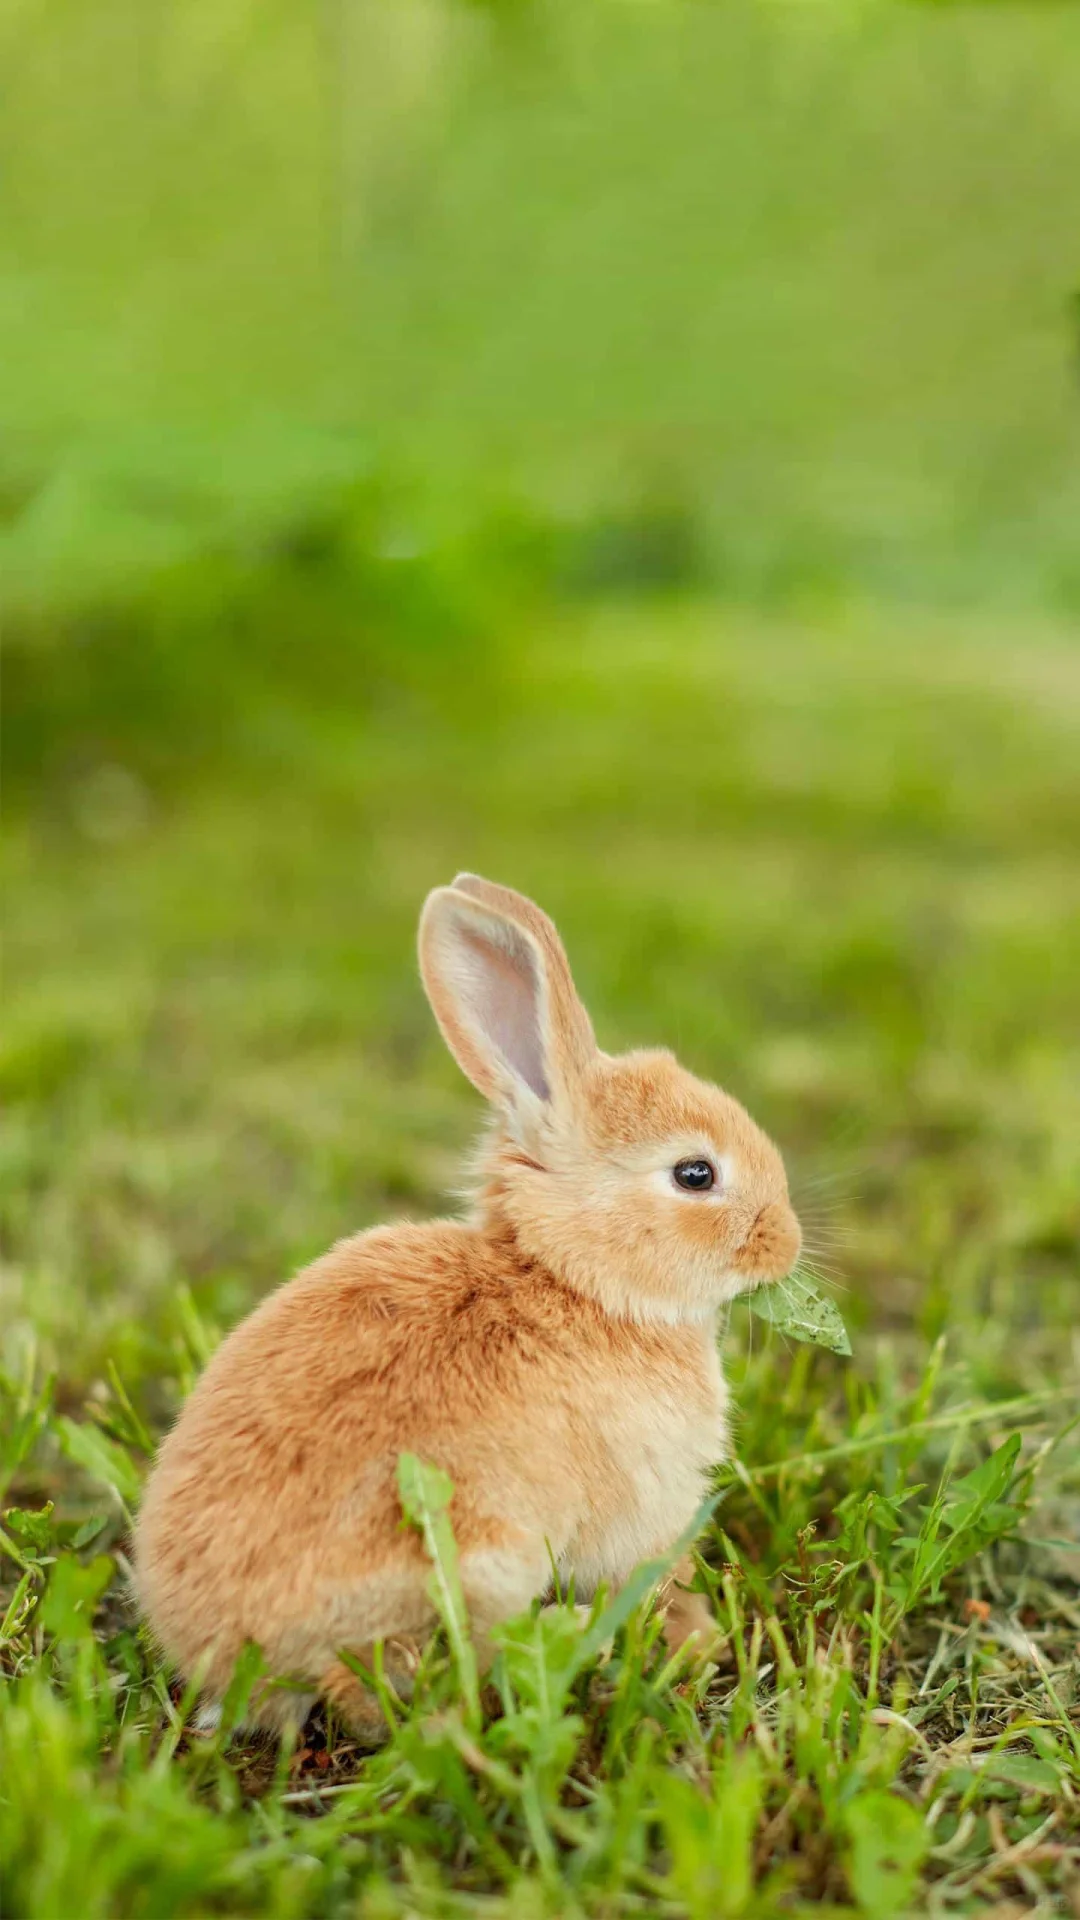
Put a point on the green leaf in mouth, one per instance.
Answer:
(798, 1307)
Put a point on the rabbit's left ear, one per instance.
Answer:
(504, 999)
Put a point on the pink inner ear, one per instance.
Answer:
(504, 1000)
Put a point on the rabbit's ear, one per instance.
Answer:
(507, 1011)
(572, 1038)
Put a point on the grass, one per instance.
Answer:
(630, 452)
(832, 860)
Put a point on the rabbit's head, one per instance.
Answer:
(638, 1183)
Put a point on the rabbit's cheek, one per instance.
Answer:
(710, 1228)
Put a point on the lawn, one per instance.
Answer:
(832, 861)
(636, 461)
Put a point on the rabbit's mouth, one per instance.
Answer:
(743, 1282)
(736, 1282)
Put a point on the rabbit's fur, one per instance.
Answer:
(555, 1353)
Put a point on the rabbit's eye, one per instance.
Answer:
(694, 1176)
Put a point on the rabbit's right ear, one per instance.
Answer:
(511, 1020)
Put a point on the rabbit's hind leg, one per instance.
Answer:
(356, 1701)
(499, 1579)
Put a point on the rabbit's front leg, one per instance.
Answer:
(501, 1580)
(687, 1614)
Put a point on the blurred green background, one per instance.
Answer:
(631, 451)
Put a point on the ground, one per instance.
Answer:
(828, 853)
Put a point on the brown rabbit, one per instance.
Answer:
(555, 1353)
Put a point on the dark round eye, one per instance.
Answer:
(695, 1176)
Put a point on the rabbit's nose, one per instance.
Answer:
(772, 1245)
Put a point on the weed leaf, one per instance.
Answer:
(796, 1306)
(426, 1493)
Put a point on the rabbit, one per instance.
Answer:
(555, 1353)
